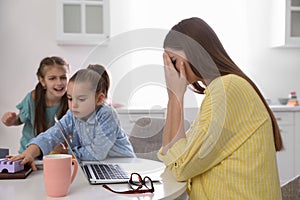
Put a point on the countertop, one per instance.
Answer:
(139, 110)
(283, 108)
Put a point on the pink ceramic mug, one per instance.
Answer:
(58, 174)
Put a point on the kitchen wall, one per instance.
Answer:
(27, 34)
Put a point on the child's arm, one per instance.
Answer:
(52, 136)
(11, 119)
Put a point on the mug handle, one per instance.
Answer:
(75, 163)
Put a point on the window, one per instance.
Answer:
(82, 21)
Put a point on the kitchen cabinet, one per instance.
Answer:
(288, 119)
(82, 22)
(297, 143)
(286, 158)
(286, 23)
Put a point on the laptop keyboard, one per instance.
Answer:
(107, 171)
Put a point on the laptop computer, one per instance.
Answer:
(95, 171)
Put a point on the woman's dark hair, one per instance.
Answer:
(197, 40)
(104, 75)
(40, 119)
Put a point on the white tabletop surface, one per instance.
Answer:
(33, 188)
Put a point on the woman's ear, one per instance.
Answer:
(100, 99)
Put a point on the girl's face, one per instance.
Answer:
(82, 100)
(55, 81)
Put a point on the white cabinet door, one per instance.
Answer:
(286, 157)
(297, 143)
(285, 23)
(82, 22)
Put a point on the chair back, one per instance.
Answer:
(146, 136)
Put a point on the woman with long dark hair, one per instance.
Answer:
(230, 150)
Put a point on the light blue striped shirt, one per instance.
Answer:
(95, 139)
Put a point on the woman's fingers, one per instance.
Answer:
(182, 70)
(167, 59)
(168, 62)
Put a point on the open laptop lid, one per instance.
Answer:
(66, 138)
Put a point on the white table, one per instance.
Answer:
(33, 188)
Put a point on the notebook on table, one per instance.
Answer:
(95, 171)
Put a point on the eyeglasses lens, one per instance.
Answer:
(136, 181)
(148, 183)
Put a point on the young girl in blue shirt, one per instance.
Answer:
(92, 124)
(38, 108)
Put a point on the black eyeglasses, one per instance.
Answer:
(137, 184)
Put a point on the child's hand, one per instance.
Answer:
(26, 160)
(9, 118)
(28, 156)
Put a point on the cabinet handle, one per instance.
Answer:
(278, 118)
